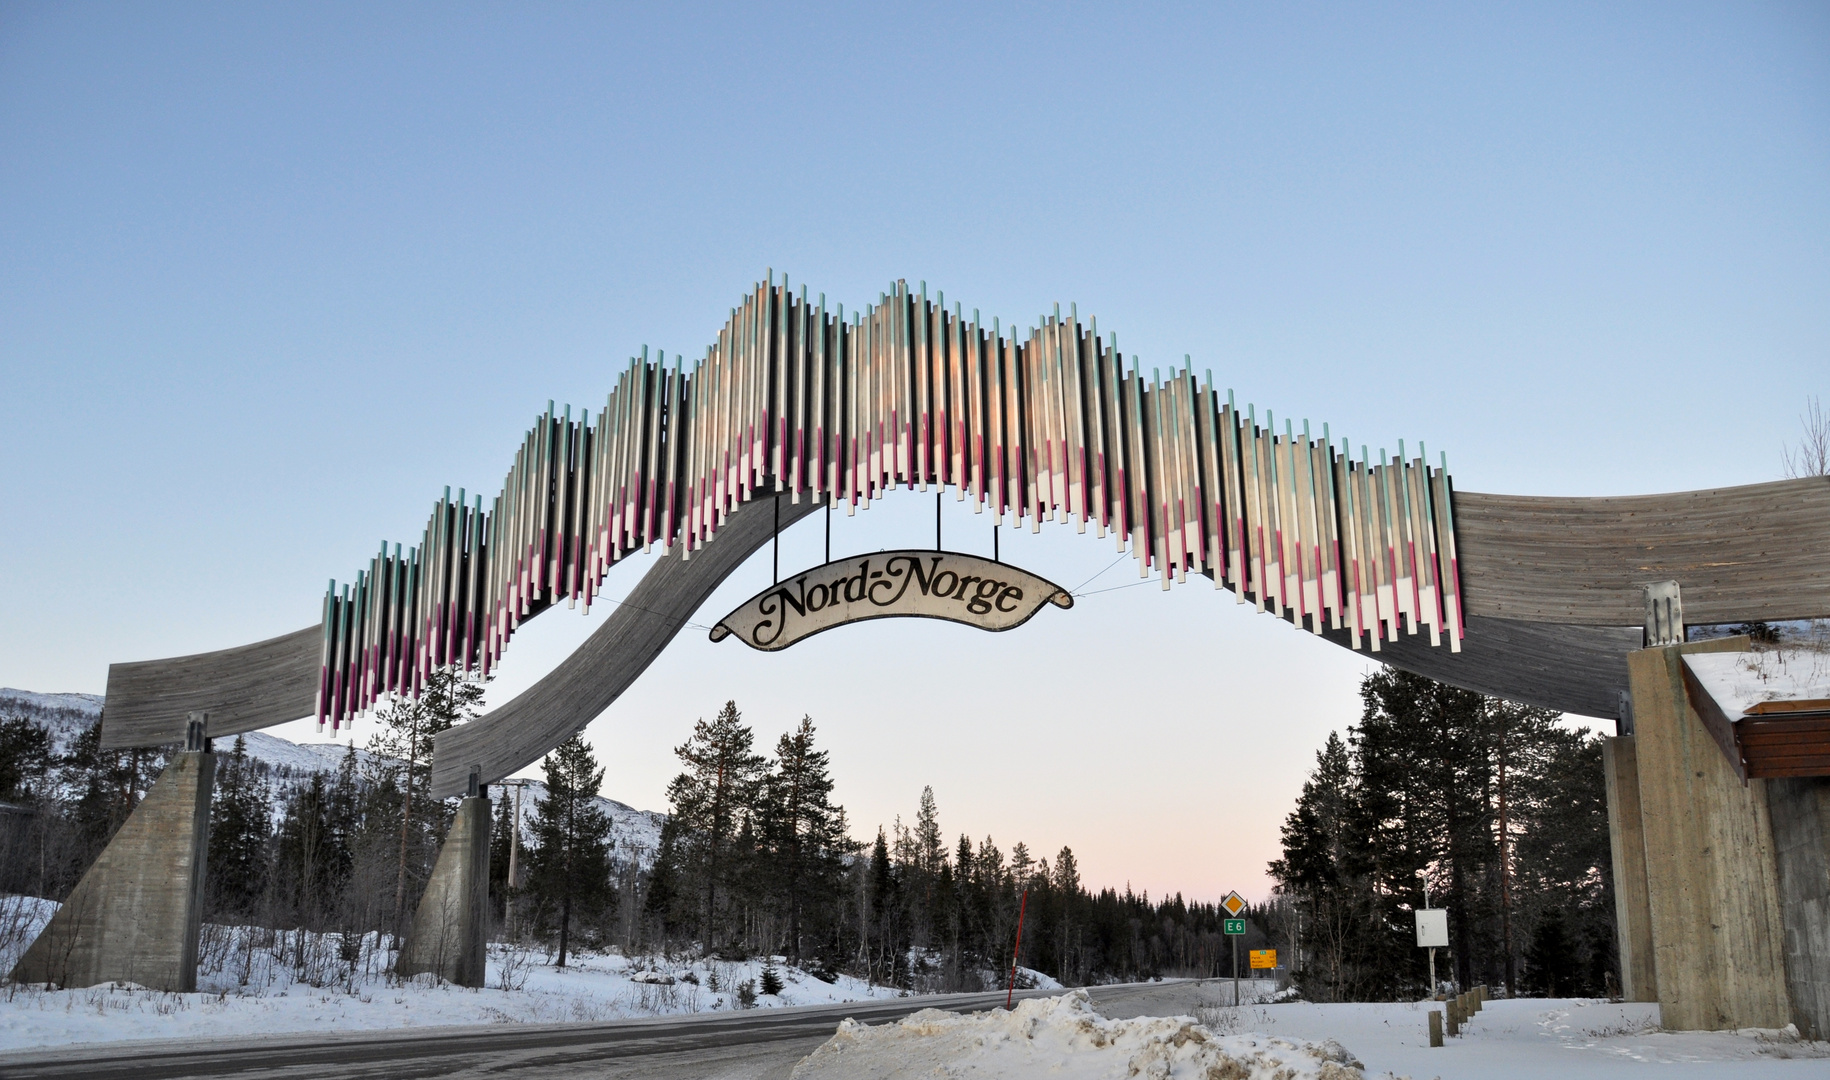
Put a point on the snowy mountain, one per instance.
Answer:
(637, 832)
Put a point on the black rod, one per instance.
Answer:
(829, 530)
(937, 520)
(777, 573)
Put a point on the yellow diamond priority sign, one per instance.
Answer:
(1234, 904)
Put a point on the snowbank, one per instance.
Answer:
(254, 981)
(1064, 1037)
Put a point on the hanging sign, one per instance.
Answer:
(890, 584)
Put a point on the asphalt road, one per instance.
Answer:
(761, 1044)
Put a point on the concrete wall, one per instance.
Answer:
(450, 927)
(1800, 809)
(1626, 838)
(136, 916)
(1712, 880)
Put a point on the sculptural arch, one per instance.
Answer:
(1533, 599)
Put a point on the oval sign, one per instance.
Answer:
(890, 584)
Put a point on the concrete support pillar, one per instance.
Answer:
(1712, 884)
(450, 935)
(137, 914)
(1626, 838)
(1800, 809)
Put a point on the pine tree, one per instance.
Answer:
(712, 801)
(501, 847)
(1500, 807)
(664, 876)
(930, 845)
(1320, 867)
(1065, 884)
(884, 905)
(108, 785)
(239, 828)
(311, 854)
(801, 827)
(25, 759)
(408, 729)
(929, 851)
(1565, 863)
(569, 866)
(1022, 866)
(1555, 968)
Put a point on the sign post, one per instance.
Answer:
(1234, 927)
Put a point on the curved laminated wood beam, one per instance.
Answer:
(1575, 669)
(587, 682)
(242, 689)
(1760, 551)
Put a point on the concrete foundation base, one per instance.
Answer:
(1626, 836)
(1711, 876)
(137, 914)
(450, 927)
(1800, 809)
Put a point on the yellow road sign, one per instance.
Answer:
(1234, 904)
(1264, 958)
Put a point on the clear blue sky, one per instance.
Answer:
(271, 276)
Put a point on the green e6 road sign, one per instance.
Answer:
(1235, 926)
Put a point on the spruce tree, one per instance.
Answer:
(1501, 807)
(501, 848)
(801, 827)
(108, 785)
(1022, 865)
(25, 759)
(569, 866)
(929, 850)
(664, 898)
(1322, 867)
(884, 906)
(311, 854)
(239, 828)
(712, 800)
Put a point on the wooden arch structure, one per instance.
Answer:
(1537, 600)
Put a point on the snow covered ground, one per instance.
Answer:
(591, 987)
(252, 982)
(1528, 1039)
(1065, 1037)
(1531, 1038)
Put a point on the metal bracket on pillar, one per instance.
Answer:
(1664, 614)
(475, 786)
(1623, 722)
(196, 733)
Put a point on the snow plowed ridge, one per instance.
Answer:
(1064, 1038)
